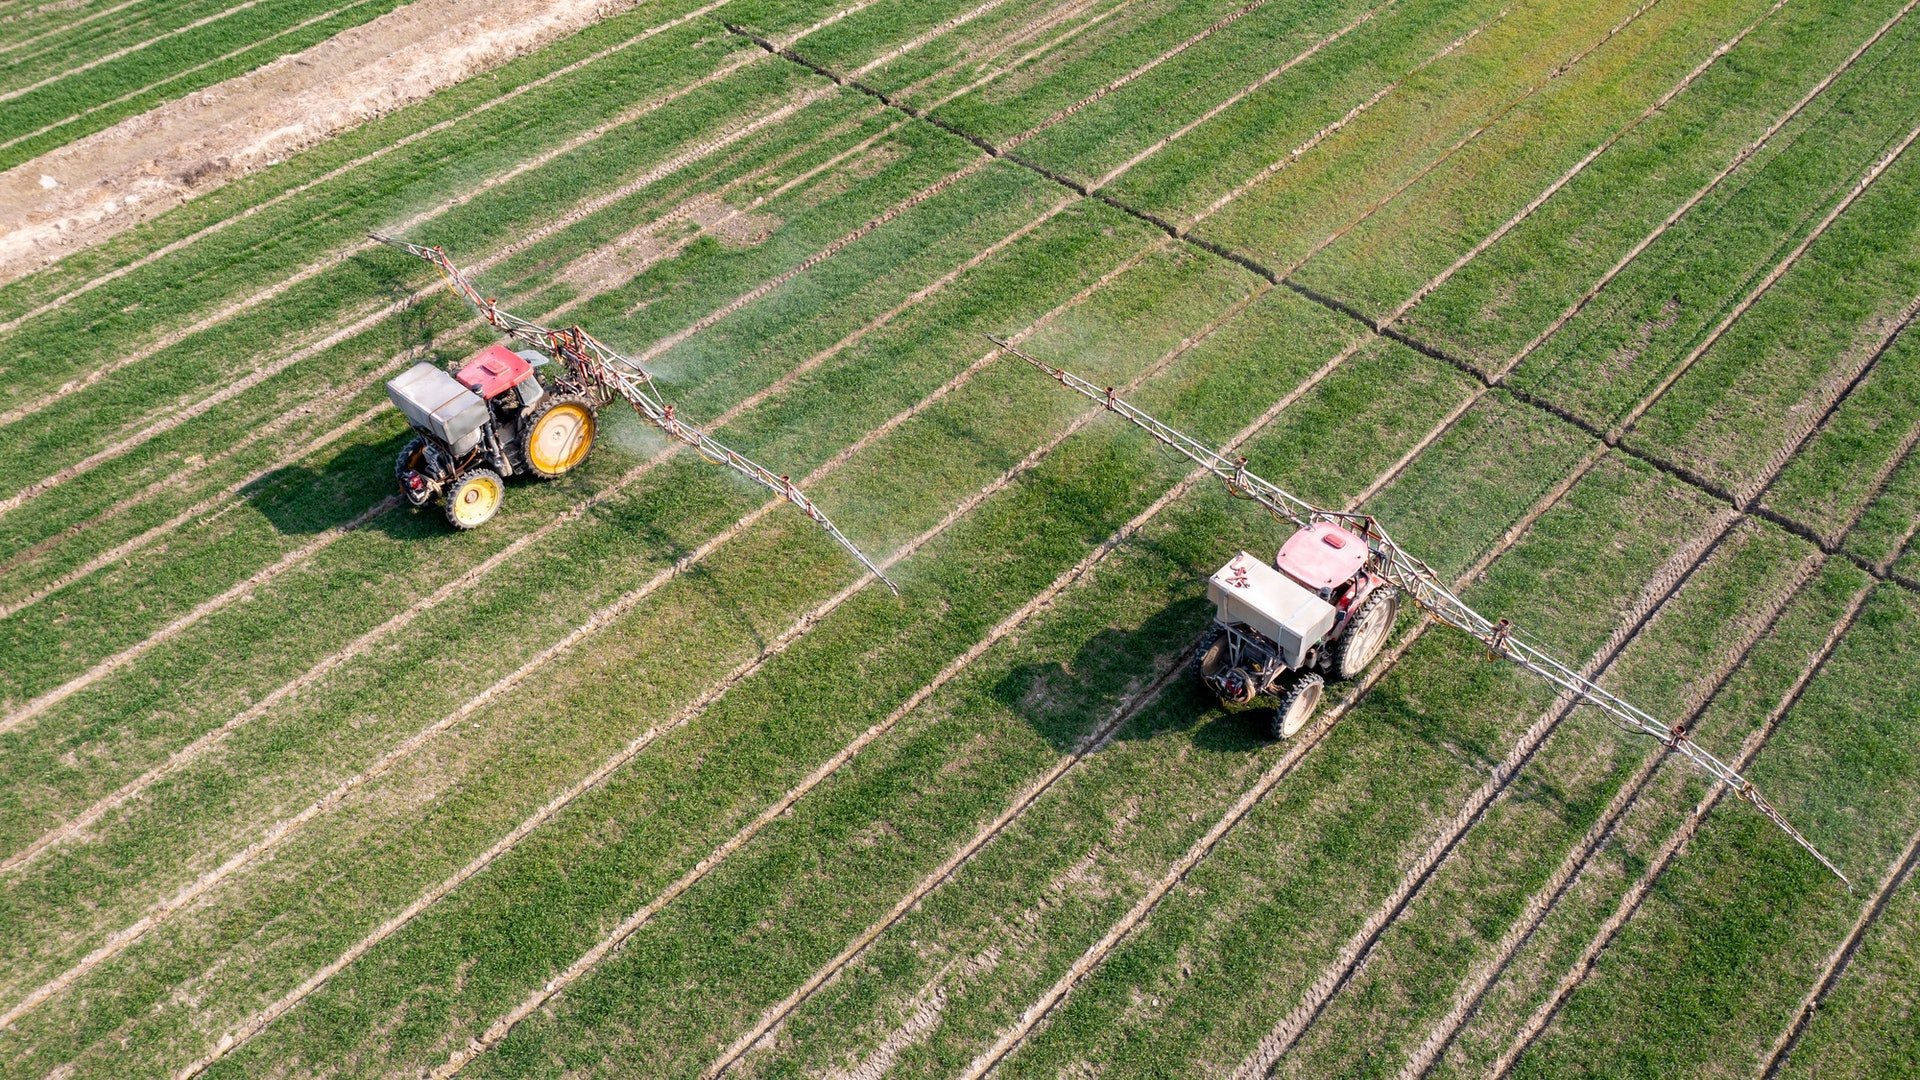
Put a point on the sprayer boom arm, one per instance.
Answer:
(602, 369)
(1424, 586)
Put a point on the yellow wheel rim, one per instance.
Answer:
(561, 438)
(475, 499)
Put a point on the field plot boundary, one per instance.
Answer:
(14, 46)
(1036, 1012)
(741, 672)
(1836, 964)
(578, 212)
(341, 170)
(1630, 903)
(1546, 899)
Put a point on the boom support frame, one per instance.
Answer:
(1420, 582)
(601, 370)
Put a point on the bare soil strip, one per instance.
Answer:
(1243, 93)
(1473, 989)
(1779, 270)
(41, 704)
(142, 166)
(206, 742)
(1708, 188)
(1580, 166)
(714, 692)
(1635, 895)
(368, 315)
(110, 57)
(181, 74)
(120, 940)
(359, 646)
(374, 155)
(573, 216)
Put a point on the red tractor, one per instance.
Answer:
(491, 419)
(1281, 630)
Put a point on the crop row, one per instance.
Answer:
(941, 450)
(76, 106)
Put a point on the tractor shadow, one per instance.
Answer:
(1066, 701)
(303, 500)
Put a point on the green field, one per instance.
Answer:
(1600, 307)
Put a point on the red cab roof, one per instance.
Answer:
(492, 370)
(1322, 556)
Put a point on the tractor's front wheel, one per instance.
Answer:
(1367, 632)
(475, 498)
(1298, 706)
(1210, 657)
(557, 433)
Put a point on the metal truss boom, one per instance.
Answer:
(603, 370)
(1425, 588)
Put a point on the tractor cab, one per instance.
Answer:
(491, 418)
(1281, 629)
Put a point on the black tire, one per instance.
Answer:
(557, 434)
(1367, 632)
(413, 458)
(1210, 656)
(1301, 701)
(474, 498)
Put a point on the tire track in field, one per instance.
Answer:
(1739, 159)
(200, 611)
(1446, 155)
(181, 74)
(40, 704)
(401, 143)
(773, 48)
(1836, 964)
(108, 58)
(1361, 947)
(1667, 583)
(1327, 132)
(1242, 94)
(236, 493)
(15, 46)
(633, 748)
(120, 940)
(1580, 166)
(1034, 28)
(459, 586)
(1011, 1037)
(200, 746)
(1635, 895)
(1779, 270)
(369, 315)
(1547, 898)
(1379, 327)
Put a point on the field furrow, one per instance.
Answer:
(1605, 309)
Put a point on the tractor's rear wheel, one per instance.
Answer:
(475, 498)
(557, 433)
(1298, 706)
(413, 458)
(1367, 632)
(1210, 658)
